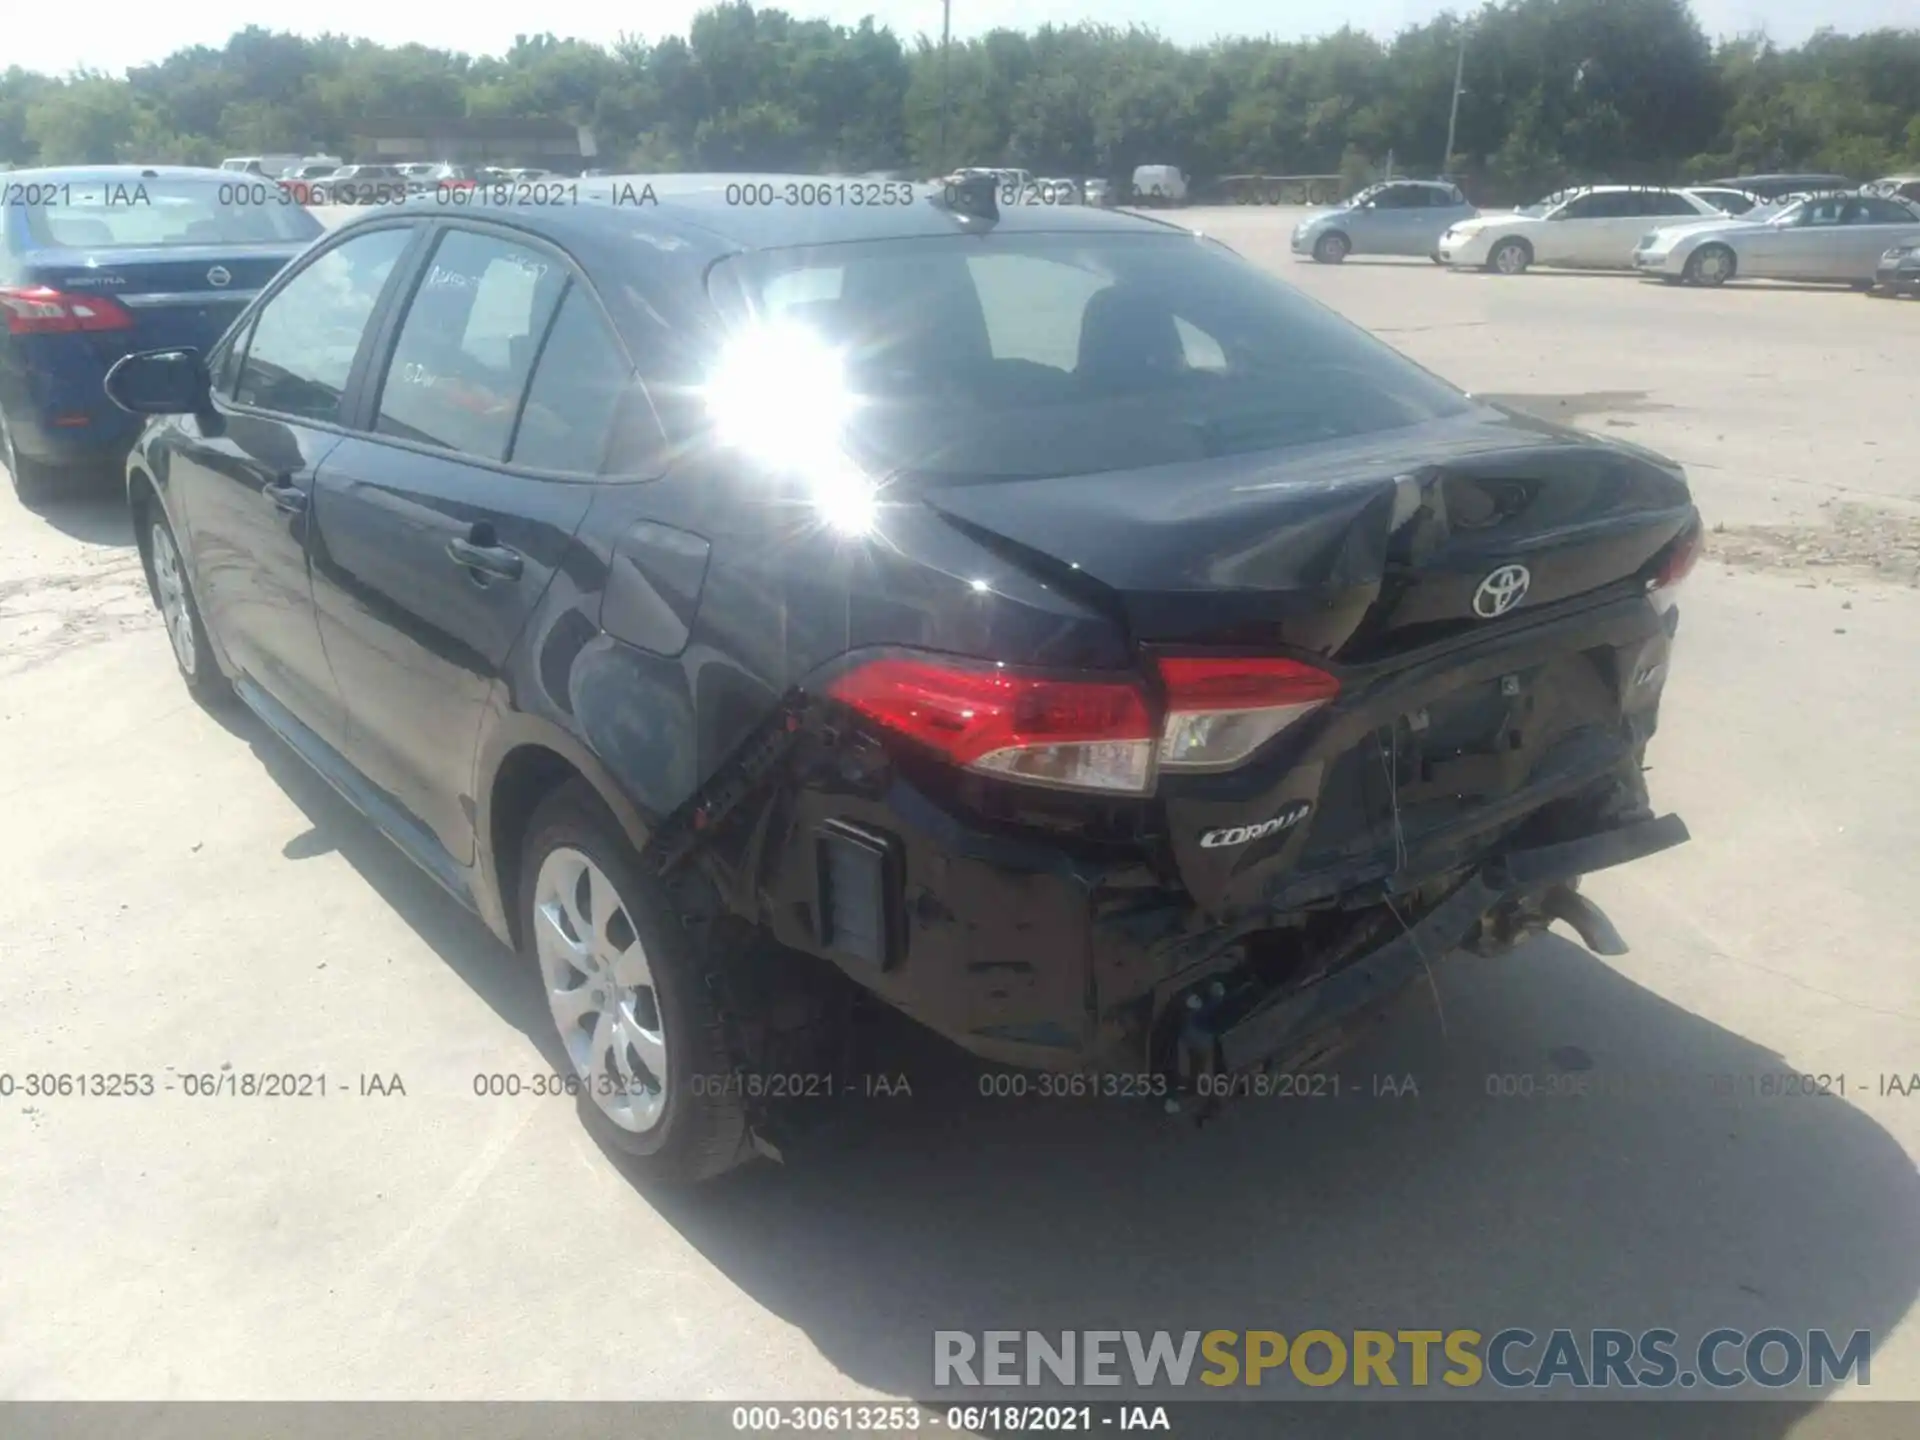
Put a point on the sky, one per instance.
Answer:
(43, 37)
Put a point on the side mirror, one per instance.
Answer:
(159, 382)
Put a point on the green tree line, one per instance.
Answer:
(1554, 90)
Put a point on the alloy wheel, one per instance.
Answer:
(170, 586)
(1510, 259)
(600, 989)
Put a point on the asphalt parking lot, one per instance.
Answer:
(181, 896)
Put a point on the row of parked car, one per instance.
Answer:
(325, 180)
(1774, 227)
(1151, 185)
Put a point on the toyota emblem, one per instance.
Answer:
(219, 277)
(1501, 591)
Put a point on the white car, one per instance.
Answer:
(1159, 185)
(1824, 237)
(1593, 227)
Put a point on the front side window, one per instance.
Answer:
(1666, 202)
(1585, 207)
(226, 364)
(306, 336)
(467, 344)
(1018, 355)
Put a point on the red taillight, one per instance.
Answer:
(1219, 711)
(1081, 733)
(1077, 733)
(1682, 555)
(41, 310)
(1679, 560)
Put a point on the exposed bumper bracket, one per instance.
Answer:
(1279, 1027)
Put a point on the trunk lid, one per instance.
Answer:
(178, 295)
(1352, 550)
(1455, 720)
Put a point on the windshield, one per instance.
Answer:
(1014, 356)
(132, 214)
(1360, 197)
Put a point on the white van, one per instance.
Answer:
(271, 166)
(1159, 185)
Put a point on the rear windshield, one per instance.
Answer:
(136, 213)
(1022, 355)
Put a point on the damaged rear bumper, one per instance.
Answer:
(1294, 1024)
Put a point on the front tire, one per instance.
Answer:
(186, 631)
(630, 988)
(1510, 257)
(1710, 265)
(1332, 248)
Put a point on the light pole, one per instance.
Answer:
(946, 71)
(1453, 110)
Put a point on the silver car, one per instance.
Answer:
(1837, 238)
(1397, 217)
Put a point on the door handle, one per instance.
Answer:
(290, 499)
(487, 559)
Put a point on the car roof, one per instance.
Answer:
(695, 210)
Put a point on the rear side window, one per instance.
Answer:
(576, 386)
(122, 214)
(466, 347)
(1884, 212)
(306, 336)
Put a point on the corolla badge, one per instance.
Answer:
(1501, 591)
(219, 277)
(1242, 834)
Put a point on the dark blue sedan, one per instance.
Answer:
(99, 261)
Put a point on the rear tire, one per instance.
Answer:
(1332, 248)
(33, 480)
(642, 1029)
(1711, 266)
(193, 652)
(1510, 257)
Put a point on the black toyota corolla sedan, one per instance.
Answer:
(1039, 621)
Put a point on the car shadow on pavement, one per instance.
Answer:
(93, 509)
(1536, 1141)
(455, 934)
(1636, 1177)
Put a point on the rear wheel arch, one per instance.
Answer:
(528, 770)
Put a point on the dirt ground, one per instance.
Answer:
(180, 897)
